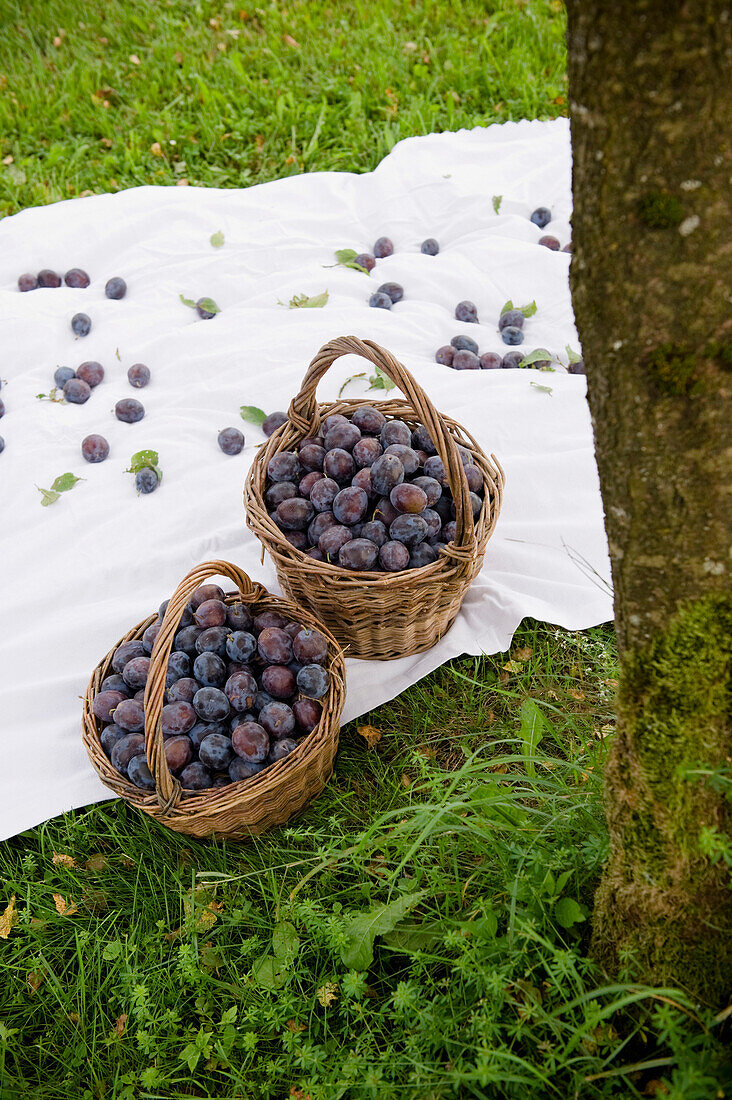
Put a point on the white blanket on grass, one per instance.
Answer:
(78, 573)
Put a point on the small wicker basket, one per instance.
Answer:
(249, 806)
(379, 616)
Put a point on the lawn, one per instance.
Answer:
(422, 931)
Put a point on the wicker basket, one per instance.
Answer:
(244, 808)
(379, 616)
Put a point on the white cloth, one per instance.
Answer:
(78, 574)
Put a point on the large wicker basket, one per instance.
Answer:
(249, 806)
(379, 616)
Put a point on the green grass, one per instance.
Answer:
(220, 98)
(147, 965)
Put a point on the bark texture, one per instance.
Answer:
(651, 104)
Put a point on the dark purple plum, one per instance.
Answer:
(94, 448)
(130, 715)
(277, 718)
(231, 441)
(241, 690)
(294, 514)
(511, 360)
(197, 733)
(434, 467)
(424, 554)
(185, 640)
(474, 478)
(375, 531)
(269, 618)
(464, 343)
(195, 777)
(90, 372)
(333, 539)
(274, 421)
(209, 669)
(433, 521)
(250, 741)
(177, 718)
(238, 616)
(311, 457)
(362, 480)
(151, 633)
(393, 556)
(203, 311)
(179, 665)
(366, 260)
(278, 681)
(310, 647)
(321, 523)
(366, 451)
(411, 530)
(339, 465)
(178, 753)
(380, 301)
(205, 592)
(449, 531)
(350, 505)
(81, 324)
(261, 699)
(550, 242)
(392, 290)
(49, 278)
(183, 690)
(129, 410)
(126, 652)
(430, 487)
(512, 335)
(210, 613)
(241, 645)
(576, 368)
(386, 473)
(105, 703)
(331, 421)
(313, 681)
(115, 682)
(285, 466)
(445, 355)
(211, 705)
(77, 278)
(491, 360)
(567, 247)
(422, 441)
(323, 493)
(146, 480)
(307, 714)
(281, 749)
(125, 750)
(62, 375)
(109, 737)
(385, 512)
(430, 247)
(513, 317)
(281, 490)
(344, 436)
(406, 455)
(383, 246)
(139, 773)
(138, 375)
(368, 419)
(77, 391)
(27, 282)
(213, 640)
(275, 646)
(293, 628)
(541, 216)
(476, 504)
(395, 431)
(359, 555)
(408, 498)
(467, 312)
(242, 769)
(115, 288)
(465, 360)
(135, 672)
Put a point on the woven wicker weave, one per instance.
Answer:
(249, 806)
(379, 616)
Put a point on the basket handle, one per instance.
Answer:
(303, 414)
(168, 787)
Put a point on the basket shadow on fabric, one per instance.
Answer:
(379, 616)
(244, 808)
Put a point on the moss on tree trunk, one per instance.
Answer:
(651, 100)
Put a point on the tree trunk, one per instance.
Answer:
(651, 107)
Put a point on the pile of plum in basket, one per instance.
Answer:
(220, 714)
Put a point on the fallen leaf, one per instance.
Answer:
(97, 862)
(134, 59)
(107, 142)
(35, 979)
(523, 654)
(57, 41)
(327, 994)
(259, 141)
(8, 919)
(62, 860)
(577, 694)
(119, 1027)
(8, 159)
(427, 751)
(63, 907)
(73, 1017)
(295, 1026)
(290, 41)
(512, 666)
(156, 149)
(406, 780)
(370, 735)
(178, 57)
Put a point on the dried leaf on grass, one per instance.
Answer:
(370, 735)
(35, 979)
(327, 994)
(63, 860)
(9, 919)
(65, 908)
